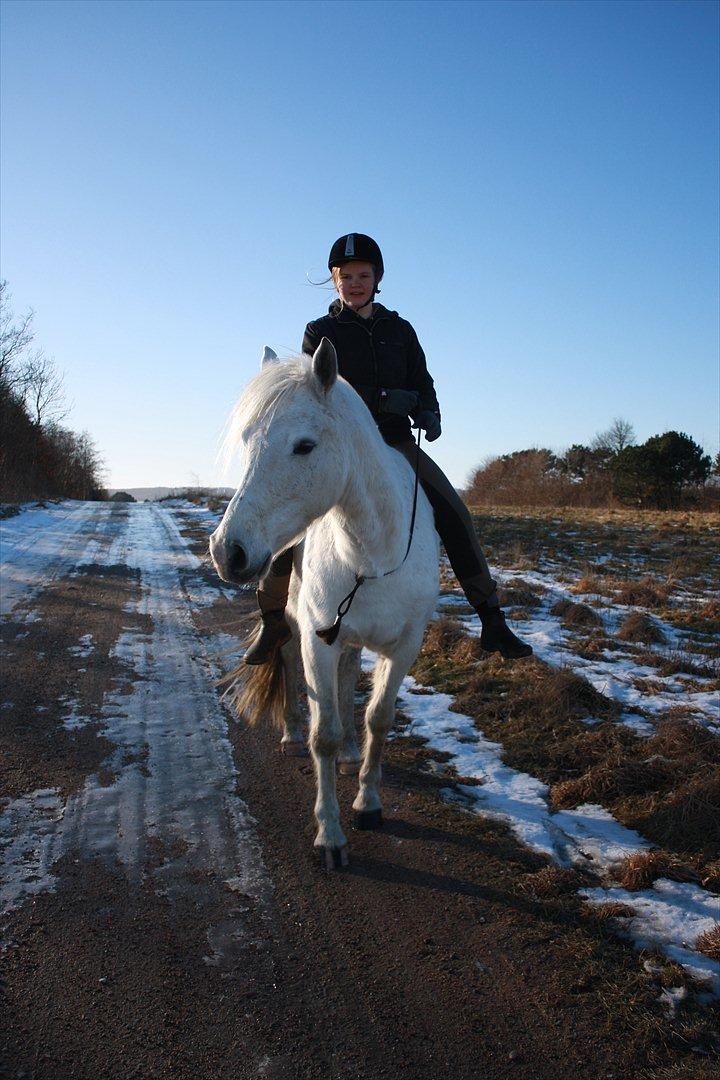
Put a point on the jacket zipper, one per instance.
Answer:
(368, 331)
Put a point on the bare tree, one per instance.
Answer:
(90, 466)
(43, 390)
(620, 434)
(14, 340)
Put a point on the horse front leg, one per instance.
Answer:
(379, 715)
(326, 734)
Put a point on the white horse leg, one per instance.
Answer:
(293, 741)
(321, 673)
(379, 715)
(349, 756)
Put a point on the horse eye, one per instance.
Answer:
(305, 446)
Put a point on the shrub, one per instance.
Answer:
(639, 627)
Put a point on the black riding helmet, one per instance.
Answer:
(357, 247)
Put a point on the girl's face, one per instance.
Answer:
(355, 283)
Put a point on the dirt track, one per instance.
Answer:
(433, 954)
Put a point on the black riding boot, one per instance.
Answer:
(274, 632)
(496, 635)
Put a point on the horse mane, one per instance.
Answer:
(278, 382)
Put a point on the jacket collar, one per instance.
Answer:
(345, 314)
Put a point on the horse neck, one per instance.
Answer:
(371, 519)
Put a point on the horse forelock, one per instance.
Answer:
(276, 383)
(275, 386)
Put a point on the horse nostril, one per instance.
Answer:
(237, 559)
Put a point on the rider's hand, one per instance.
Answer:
(401, 402)
(430, 424)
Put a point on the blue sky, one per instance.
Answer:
(542, 178)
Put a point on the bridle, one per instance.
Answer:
(330, 633)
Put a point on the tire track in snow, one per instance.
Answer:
(175, 780)
(42, 544)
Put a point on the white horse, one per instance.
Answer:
(317, 466)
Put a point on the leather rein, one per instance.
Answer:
(330, 633)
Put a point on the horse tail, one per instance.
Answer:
(258, 692)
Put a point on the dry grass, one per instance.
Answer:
(613, 909)
(686, 818)
(709, 943)
(680, 663)
(701, 619)
(592, 646)
(703, 521)
(518, 594)
(573, 614)
(616, 776)
(710, 609)
(710, 877)
(642, 592)
(593, 585)
(446, 641)
(640, 870)
(552, 881)
(641, 628)
(666, 786)
(645, 592)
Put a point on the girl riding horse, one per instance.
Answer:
(379, 354)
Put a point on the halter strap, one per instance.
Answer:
(330, 633)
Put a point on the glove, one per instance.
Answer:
(400, 402)
(430, 424)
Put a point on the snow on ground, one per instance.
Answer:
(613, 676)
(84, 647)
(588, 836)
(174, 779)
(671, 916)
(183, 742)
(45, 541)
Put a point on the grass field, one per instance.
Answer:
(619, 707)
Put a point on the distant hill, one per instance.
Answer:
(154, 493)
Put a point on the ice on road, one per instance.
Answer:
(175, 780)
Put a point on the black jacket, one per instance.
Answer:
(379, 353)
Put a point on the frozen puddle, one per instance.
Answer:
(173, 779)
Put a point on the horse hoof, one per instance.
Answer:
(332, 858)
(348, 768)
(368, 819)
(294, 749)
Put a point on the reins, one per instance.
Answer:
(330, 634)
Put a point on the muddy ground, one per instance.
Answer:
(436, 952)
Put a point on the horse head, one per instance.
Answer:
(296, 461)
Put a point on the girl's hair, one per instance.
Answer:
(335, 278)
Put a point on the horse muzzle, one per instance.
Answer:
(235, 563)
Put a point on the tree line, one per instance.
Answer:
(39, 457)
(666, 471)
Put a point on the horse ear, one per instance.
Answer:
(268, 356)
(325, 366)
